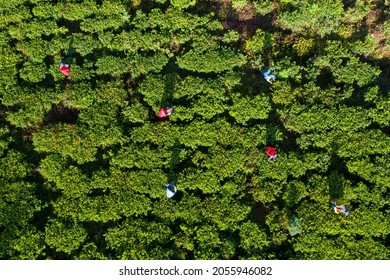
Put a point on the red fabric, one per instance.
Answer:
(270, 151)
(162, 113)
(65, 70)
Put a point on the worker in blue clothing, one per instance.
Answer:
(171, 189)
(268, 75)
(339, 206)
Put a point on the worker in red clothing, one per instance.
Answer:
(65, 69)
(165, 112)
(271, 153)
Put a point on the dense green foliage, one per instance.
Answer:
(84, 158)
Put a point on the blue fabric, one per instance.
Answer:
(64, 64)
(267, 71)
(169, 110)
(341, 209)
(170, 189)
(268, 74)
